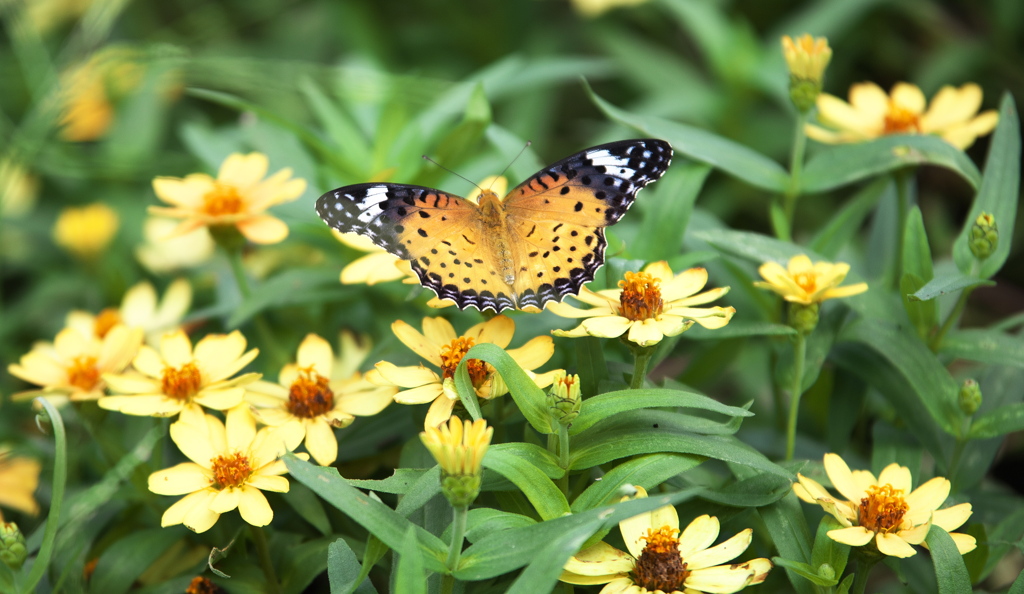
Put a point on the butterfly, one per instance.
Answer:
(541, 242)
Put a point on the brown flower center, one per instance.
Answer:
(82, 372)
(181, 383)
(808, 281)
(202, 585)
(641, 296)
(899, 120)
(883, 509)
(107, 319)
(310, 394)
(453, 353)
(660, 567)
(231, 470)
(223, 199)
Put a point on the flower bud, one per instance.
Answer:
(564, 398)
(459, 447)
(12, 546)
(807, 59)
(984, 236)
(970, 397)
(826, 571)
(803, 318)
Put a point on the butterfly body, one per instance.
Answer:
(540, 243)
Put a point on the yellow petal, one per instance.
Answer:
(187, 192)
(419, 343)
(684, 284)
(842, 479)
(420, 395)
(263, 229)
(143, 405)
(439, 412)
(497, 330)
(263, 482)
(645, 332)
(194, 441)
(221, 355)
(965, 543)
(439, 332)
(606, 326)
(951, 518)
(870, 102)
(908, 97)
(193, 511)
(243, 171)
(897, 476)
(180, 479)
(377, 267)
(661, 271)
(893, 546)
(220, 399)
(225, 500)
(321, 442)
(363, 400)
(926, 499)
(534, 353)
(720, 553)
(855, 536)
(316, 352)
(149, 362)
(724, 578)
(412, 376)
(600, 560)
(175, 349)
(699, 535)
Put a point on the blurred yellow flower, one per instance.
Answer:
(884, 509)
(178, 378)
(239, 197)
(593, 8)
(86, 231)
(19, 477)
(806, 56)
(953, 114)
(18, 189)
(442, 347)
(161, 253)
(231, 464)
(665, 561)
(91, 89)
(647, 306)
(45, 15)
(806, 283)
(139, 309)
(377, 266)
(320, 393)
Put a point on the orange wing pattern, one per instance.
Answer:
(541, 243)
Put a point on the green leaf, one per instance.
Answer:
(644, 471)
(950, 571)
(780, 226)
(400, 483)
(924, 315)
(128, 557)
(998, 195)
(485, 520)
(309, 507)
(917, 254)
(463, 141)
(1018, 585)
(542, 574)
(785, 522)
(603, 406)
(838, 165)
(985, 346)
(343, 570)
(347, 139)
(410, 575)
(756, 491)
(30, 577)
(420, 492)
(842, 226)
(804, 570)
(829, 551)
(529, 398)
(543, 494)
(298, 286)
(703, 146)
(302, 563)
(999, 422)
(667, 212)
(739, 329)
(385, 523)
(947, 283)
(590, 364)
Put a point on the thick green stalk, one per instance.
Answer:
(799, 355)
(864, 565)
(455, 547)
(563, 458)
(259, 540)
(641, 360)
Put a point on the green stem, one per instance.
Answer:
(864, 565)
(563, 458)
(796, 166)
(60, 475)
(259, 540)
(641, 360)
(953, 316)
(455, 547)
(799, 355)
(266, 334)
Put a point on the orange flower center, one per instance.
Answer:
(660, 567)
(808, 281)
(453, 353)
(883, 509)
(201, 585)
(641, 296)
(223, 199)
(231, 470)
(900, 120)
(82, 372)
(310, 395)
(183, 382)
(107, 319)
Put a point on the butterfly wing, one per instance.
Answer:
(557, 217)
(439, 233)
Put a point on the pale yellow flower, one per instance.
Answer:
(806, 283)
(19, 477)
(18, 189)
(953, 114)
(178, 378)
(664, 561)
(443, 348)
(320, 393)
(160, 252)
(139, 309)
(231, 464)
(377, 266)
(86, 231)
(73, 367)
(806, 56)
(239, 197)
(594, 8)
(885, 510)
(459, 446)
(647, 306)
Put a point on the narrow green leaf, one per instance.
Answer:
(485, 520)
(343, 569)
(703, 146)
(644, 471)
(739, 329)
(530, 399)
(780, 226)
(347, 139)
(950, 571)
(786, 523)
(999, 422)
(917, 254)
(400, 483)
(828, 551)
(31, 576)
(420, 492)
(531, 454)
(924, 315)
(998, 195)
(944, 284)
(843, 225)
(590, 364)
(1018, 585)
(756, 491)
(303, 563)
(125, 560)
(288, 288)
(838, 165)
(309, 507)
(542, 574)
(600, 407)
(985, 346)
(543, 494)
(667, 211)
(804, 570)
(410, 575)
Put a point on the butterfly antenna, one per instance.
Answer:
(426, 158)
(521, 151)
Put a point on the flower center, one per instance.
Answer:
(223, 199)
(808, 281)
(107, 319)
(899, 120)
(453, 353)
(82, 372)
(231, 470)
(883, 509)
(181, 383)
(201, 585)
(660, 567)
(310, 395)
(641, 296)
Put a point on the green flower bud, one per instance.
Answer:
(826, 571)
(803, 93)
(802, 317)
(460, 490)
(12, 545)
(984, 236)
(970, 397)
(564, 398)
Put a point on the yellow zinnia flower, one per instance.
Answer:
(884, 509)
(953, 114)
(439, 345)
(806, 283)
(73, 367)
(806, 56)
(178, 378)
(86, 231)
(161, 253)
(238, 197)
(230, 467)
(19, 478)
(647, 306)
(664, 560)
(139, 309)
(320, 394)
